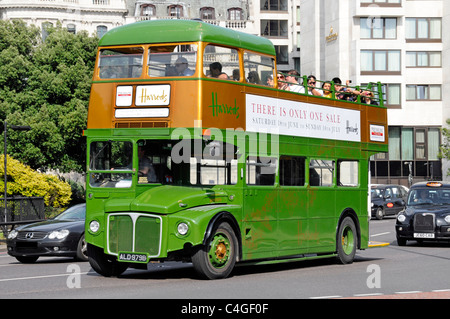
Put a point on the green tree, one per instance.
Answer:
(46, 85)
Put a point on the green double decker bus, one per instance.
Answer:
(196, 155)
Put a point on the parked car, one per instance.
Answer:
(59, 236)
(387, 200)
(427, 213)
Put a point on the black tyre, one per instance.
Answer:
(379, 214)
(104, 264)
(347, 241)
(82, 249)
(217, 258)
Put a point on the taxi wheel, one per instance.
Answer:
(216, 260)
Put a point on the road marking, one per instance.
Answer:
(409, 292)
(368, 295)
(326, 297)
(442, 290)
(381, 234)
(40, 277)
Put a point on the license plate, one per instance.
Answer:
(133, 257)
(423, 235)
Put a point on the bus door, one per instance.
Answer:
(260, 220)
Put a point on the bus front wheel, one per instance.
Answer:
(104, 264)
(347, 241)
(217, 258)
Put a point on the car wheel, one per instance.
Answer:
(82, 249)
(347, 240)
(104, 264)
(27, 259)
(379, 214)
(217, 258)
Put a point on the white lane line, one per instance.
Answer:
(409, 292)
(40, 277)
(368, 295)
(380, 234)
(326, 297)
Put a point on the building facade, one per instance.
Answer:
(402, 44)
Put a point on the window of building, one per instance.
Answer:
(378, 28)
(274, 28)
(175, 11)
(207, 13)
(380, 62)
(235, 14)
(423, 92)
(148, 10)
(72, 28)
(274, 5)
(101, 30)
(282, 53)
(221, 63)
(413, 153)
(423, 29)
(423, 59)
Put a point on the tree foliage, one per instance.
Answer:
(46, 85)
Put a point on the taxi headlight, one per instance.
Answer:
(182, 229)
(401, 218)
(447, 219)
(94, 226)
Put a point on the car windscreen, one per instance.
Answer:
(77, 212)
(422, 196)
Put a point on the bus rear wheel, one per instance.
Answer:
(217, 258)
(104, 264)
(347, 241)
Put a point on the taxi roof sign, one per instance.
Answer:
(434, 184)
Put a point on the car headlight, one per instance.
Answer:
(13, 234)
(182, 229)
(447, 219)
(59, 234)
(401, 218)
(94, 226)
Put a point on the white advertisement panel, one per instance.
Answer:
(285, 117)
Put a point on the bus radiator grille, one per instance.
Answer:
(134, 233)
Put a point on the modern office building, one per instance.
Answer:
(402, 44)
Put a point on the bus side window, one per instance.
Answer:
(321, 172)
(261, 170)
(292, 171)
(258, 69)
(221, 63)
(348, 173)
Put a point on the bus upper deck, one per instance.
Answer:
(174, 73)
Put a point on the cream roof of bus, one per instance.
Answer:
(170, 31)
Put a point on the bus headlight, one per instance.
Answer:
(182, 229)
(94, 226)
(401, 218)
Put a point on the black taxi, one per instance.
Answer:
(426, 215)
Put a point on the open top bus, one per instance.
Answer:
(194, 156)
